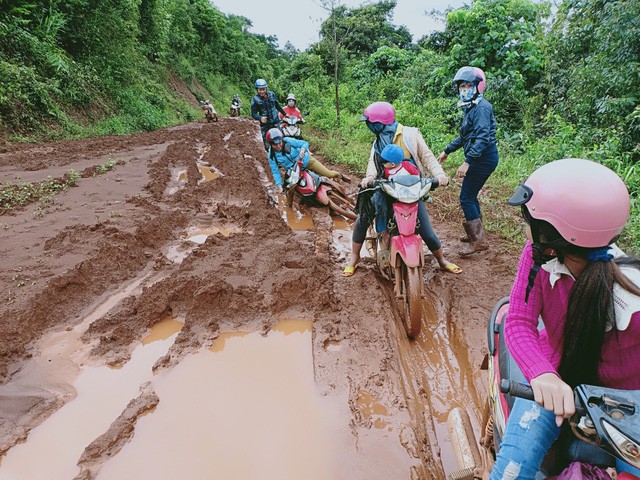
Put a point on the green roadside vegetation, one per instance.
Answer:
(563, 84)
(563, 77)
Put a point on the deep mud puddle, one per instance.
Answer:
(53, 448)
(246, 408)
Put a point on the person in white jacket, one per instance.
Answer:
(380, 118)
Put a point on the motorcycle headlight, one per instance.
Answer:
(628, 449)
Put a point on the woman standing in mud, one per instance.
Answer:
(478, 138)
(587, 293)
(380, 118)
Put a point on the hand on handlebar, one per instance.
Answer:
(365, 182)
(443, 180)
(551, 393)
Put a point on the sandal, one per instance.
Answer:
(349, 270)
(452, 268)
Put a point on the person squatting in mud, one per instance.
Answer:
(285, 151)
(478, 139)
(587, 293)
(265, 108)
(380, 118)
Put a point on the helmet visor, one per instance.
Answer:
(276, 140)
(521, 196)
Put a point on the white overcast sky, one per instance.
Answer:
(298, 21)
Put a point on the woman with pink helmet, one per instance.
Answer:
(478, 140)
(587, 293)
(380, 118)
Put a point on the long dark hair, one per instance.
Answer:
(590, 308)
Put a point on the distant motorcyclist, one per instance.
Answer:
(291, 108)
(265, 108)
(236, 105)
(209, 112)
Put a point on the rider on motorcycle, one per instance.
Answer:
(587, 293)
(394, 164)
(236, 103)
(209, 111)
(285, 151)
(380, 118)
(291, 109)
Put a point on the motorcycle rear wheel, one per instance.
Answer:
(411, 294)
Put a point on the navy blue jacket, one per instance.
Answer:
(478, 131)
(266, 107)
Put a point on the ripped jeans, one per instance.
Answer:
(530, 432)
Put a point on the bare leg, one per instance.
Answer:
(355, 253)
(439, 254)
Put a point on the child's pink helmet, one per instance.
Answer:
(382, 112)
(586, 202)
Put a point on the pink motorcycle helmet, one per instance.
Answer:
(473, 75)
(586, 202)
(382, 112)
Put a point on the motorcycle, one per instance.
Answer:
(234, 110)
(290, 127)
(318, 190)
(398, 253)
(209, 112)
(605, 417)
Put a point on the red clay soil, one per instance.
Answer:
(61, 261)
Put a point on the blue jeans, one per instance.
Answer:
(380, 204)
(478, 173)
(530, 432)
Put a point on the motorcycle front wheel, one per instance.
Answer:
(411, 296)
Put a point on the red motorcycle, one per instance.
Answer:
(399, 254)
(318, 190)
(605, 417)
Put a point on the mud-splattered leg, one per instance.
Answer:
(530, 432)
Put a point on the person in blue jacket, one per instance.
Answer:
(478, 139)
(285, 151)
(265, 108)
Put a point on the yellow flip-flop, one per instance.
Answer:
(349, 270)
(452, 268)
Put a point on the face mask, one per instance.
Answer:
(375, 127)
(466, 94)
(291, 103)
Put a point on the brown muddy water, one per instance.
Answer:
(246, 408)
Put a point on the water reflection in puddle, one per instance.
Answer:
(102, 395)
(248, 409)
(294, 218)
(200, 235)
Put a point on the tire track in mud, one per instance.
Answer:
(394, 391)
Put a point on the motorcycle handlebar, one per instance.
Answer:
(516, 389)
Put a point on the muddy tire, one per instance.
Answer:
(341, 205)
(411, 289)
(465, 447)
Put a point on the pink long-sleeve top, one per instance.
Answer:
(540, 352)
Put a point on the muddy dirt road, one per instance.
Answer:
(168, 317)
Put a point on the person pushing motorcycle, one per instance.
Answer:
(265, 108)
